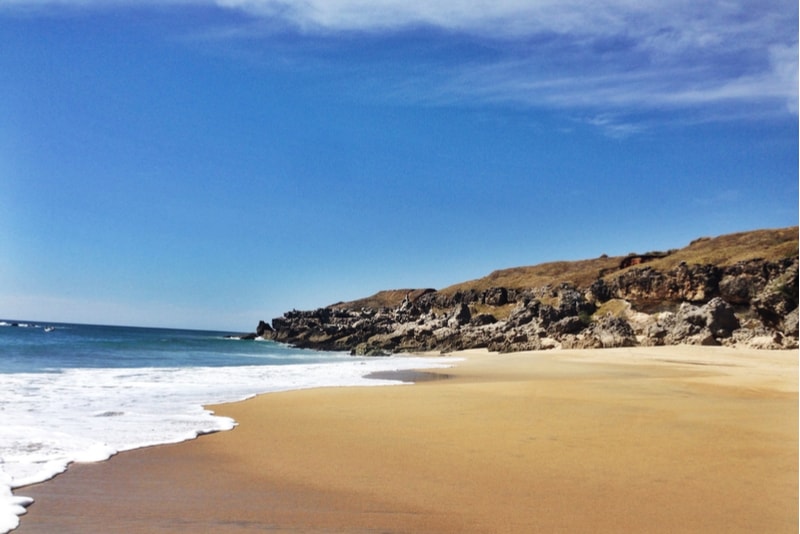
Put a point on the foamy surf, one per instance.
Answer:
(87, 415)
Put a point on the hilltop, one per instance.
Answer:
(733, 289)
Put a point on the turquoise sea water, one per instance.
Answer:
(30, 348)
(82, 393)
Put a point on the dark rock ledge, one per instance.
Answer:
(752, 303)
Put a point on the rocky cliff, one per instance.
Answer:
(738, 289)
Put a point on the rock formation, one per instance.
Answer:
(752, 302)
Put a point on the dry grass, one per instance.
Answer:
(615, 307)
(499, 312)
(724, 250)
(732, 248)
(390, 298)
(579, 273)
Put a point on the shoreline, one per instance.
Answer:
(643, 439)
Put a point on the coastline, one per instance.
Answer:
(660, 439)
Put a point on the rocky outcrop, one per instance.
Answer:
(605, 333)
(752, 303)
(709, 324)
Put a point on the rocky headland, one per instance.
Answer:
(736, 290)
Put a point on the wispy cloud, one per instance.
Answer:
(614, 126)
(607, 56)
(604, 57)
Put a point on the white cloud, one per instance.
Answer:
(784, 73)
(601, 55)
(615, 127)
(502, 18)
(588, 54)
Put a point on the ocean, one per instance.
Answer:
(82, 393)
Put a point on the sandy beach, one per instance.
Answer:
(667, 439)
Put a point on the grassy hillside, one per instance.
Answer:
(389, 298)
(732, 248)
(580, 273)
(723, 250)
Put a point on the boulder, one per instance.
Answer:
(608, 332)
(790, 324)
(263, 329)
(599, 291)
(483, 319)
(720, 318)
(567, 325)
(698, 325)
(778, 298)
(460, 316)
(523, 313)
(496, 296)
(571, 302)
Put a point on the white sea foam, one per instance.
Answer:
(87, 415)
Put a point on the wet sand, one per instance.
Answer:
(677, 439)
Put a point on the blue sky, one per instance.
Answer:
(206, 164)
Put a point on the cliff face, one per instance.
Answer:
(752, 302)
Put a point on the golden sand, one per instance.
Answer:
(668, 439)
